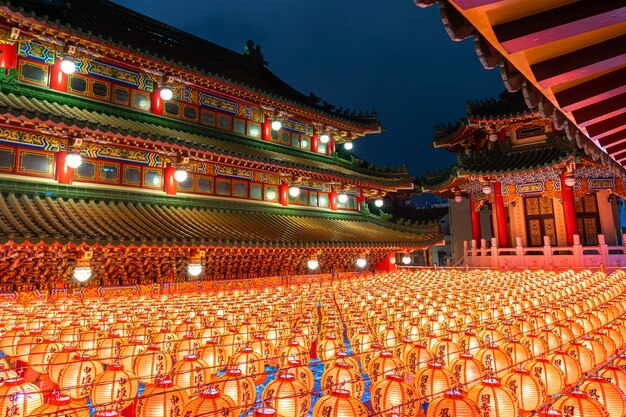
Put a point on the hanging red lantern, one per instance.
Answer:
(288, 396)
(41, 354)
(162, 399)
(570, 367)
(578, 403)
(152, 364)
(384, 364)
(342, 376)
(114, 389)
(239, 387)
(433, 379)
(468, 370)
(454, 404)
(61, 406)
(615, 376)
(211, 403)
(392, 392)
(214, 355)
(339, 403)
(19, 398)
(303, 373)
(528, 389)
(251, 364)
(293, 351)
(551, 376)
(609, 395)
(493, 399)
(78, 377)
(192, 374)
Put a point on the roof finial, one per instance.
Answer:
(254, 53)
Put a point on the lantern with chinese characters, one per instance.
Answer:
(328, 348)
(293, 351)
(128, 353)
(535, 344)
(597, 349)
(89, 339)
(578, 403)
(239, 387)
(232, 342)
(418, 358)
(78, 377)
(494, 359)
(188, 345)
(19, 398)
(551, 376)
(339, 403)
(615, 376)
(611, 397)
(394, 391)
(303, 373)
(446, 351)
(493, 399)
(151, 364)
(191, 374)
(166, 341)
(583, 355)
(251, 364)
(211, 403)
(570, 367)
(384, 364)
(344, 377)
(528, 389)
(454, 404)
(8, 341)
(162, 399)
(264, 348)
(433, 380)
(517, 351)
(41, 354)
(470, 343)
(214, 355)
(468, 370)
(342, 356)
(114, 389)
(389, 337)
(110, 348)
(60, 360)
(288, 396)
(25, 345)
(61, 406)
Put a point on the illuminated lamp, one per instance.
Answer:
(73, 159)
(77, 377)
(211, 402)
(342, 198)
(270, 194)
(250, 363)
(487, 188)
(343, 375)
(551, 376)
(348, 146)
(188, 345)
(194, 269)
(82, 270)
(528, 389)
(379, 202)
(578, 403)
(302, 373)
(384, 364)
(406, 259)
(324, 138)
(570, 181)
(162, 399)
(191, 374)
(293, 351)
(611, 397)
(493, 137)
(453, 400)
(239, 387)
(114, 389)
(339, 403)
(151, 364)
(59, 360)
(342, 356)
(214, 355)
(392, 392)
(458, 197)
(9, 340)
(361, 262)
(434, 379)
(392, 260)
(495, 359)
(68, 66)
(313, 263)
(614, 374)
(276, 125)
(127, 352)
(328, 348)
(180, 175)
(20, 398)
(569, 366)
(294, 191)
(288, 396)
(61, 405)
(166, 93)
(468, 370)
(493, 399)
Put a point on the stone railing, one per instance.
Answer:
(544, 256)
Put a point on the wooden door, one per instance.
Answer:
(588, 220)
(539, 214)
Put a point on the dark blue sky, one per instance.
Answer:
(375, 54)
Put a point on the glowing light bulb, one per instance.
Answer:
(276, 125)
(180, 175)
(342, 198)
(73, 160)
(313, 264)
(166, 93)
(406, 259)
(324, 138)
(82, 273)
(348, 146)
(294, 191)
(194, 269)
(361, 262)
(68, 66)
(378, 202)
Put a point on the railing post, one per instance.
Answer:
(547, 251)
(578, 252)
(604, 250)
(465, 260)
(519, 252)
(483, 253)
(494, 252)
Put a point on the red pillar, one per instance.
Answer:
(168, 180)
(361, 198)
(266, 130)
(63, 174)
(502, 228)
(330, 146)
(315, 142)
(388, 264)
(8, 56)
(156, 102)
(475, 219)
(283, 194)
(58, 79)
(332, 197)
(569, 211)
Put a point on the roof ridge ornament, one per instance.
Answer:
(254, 53)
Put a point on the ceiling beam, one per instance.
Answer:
(559, 23)
(607, 127)
(471, 4)
(580, 63)
(592, 91)
(618, 145)
(600, 111)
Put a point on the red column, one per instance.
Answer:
(388, 264)
(156, 102)
(475, 219)
(361, 198)
(315, 142)
(266, 130)
(332, 197)
(168, 180)
(502, 228)
(569, 211)
(63, 174)
(58, 79)
(283, 194)
(330, 146)
(8, 56)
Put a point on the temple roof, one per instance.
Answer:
(112, 24)
(507, 106)
(39, 217)
(43, 105)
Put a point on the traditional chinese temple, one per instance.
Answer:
(521, 181)
(135, 149)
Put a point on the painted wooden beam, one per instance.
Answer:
(607, 127)
(559, 23)
(600, 111)
(592, 91)
(614, 143)
(582, 62)
(471, 4)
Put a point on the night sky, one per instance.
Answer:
(391, 56)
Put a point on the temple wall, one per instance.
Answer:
(607, 218)
(460, 227)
